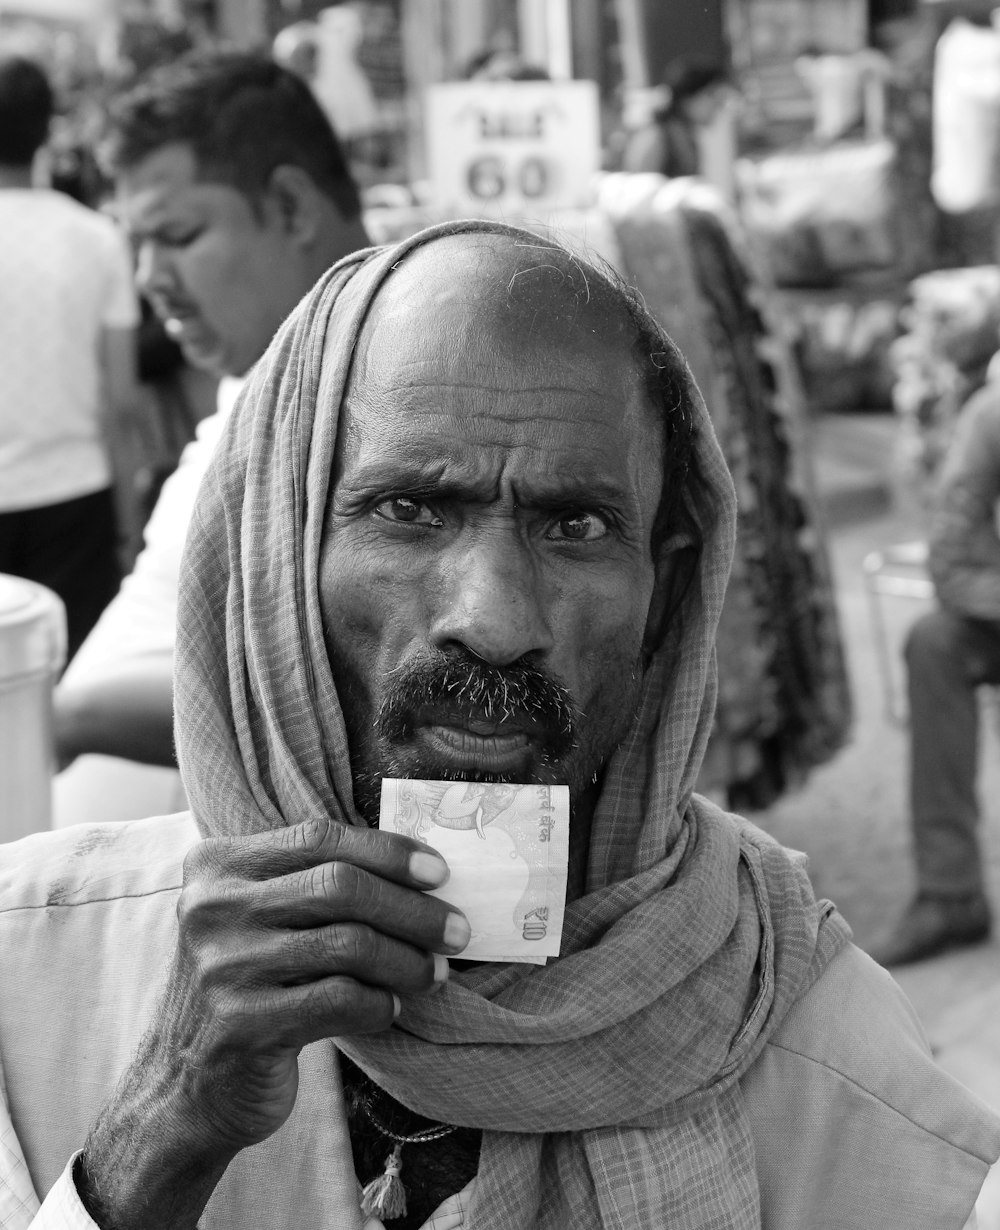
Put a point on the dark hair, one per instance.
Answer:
(242, 115)
(689, 75)
(26, 106)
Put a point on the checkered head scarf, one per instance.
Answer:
(607, 1083)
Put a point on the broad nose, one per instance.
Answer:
(154, 271)
(492, 602)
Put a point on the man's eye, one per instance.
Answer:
(579, 527)
(407, 512)
(177, 239)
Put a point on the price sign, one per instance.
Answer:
(512, 147)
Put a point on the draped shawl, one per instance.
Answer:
(607, 1083)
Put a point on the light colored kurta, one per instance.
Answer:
(854, 1125)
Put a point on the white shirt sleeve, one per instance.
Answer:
(62, 1208)
(141, 618)
(121, 306)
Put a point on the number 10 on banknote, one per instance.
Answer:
(507, 846)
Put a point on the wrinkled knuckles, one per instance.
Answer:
(203, 859)
(343, 997)
(309, 836)
(239, 1024)
(343, 948)
(203, 906)
(355, 891)
(342, 1006)
(364, 953)
(320, 882)
(248, 1022)
(221, 968)
(382, 853)
(218, 858)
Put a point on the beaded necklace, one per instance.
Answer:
(385, 1195)
(439, 1159)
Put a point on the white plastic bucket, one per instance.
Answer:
(32, 652)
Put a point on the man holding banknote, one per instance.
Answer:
(452, 585)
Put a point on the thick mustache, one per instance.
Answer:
(519, 694)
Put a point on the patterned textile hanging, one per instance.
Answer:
(784, 697)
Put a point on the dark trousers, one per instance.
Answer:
(948, 657)
(70, 547)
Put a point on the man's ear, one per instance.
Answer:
(295, 200)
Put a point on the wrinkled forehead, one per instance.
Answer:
(525, 296)
(503, 331)
(508, 342)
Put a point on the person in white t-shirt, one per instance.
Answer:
(235, 191)
(68, 385)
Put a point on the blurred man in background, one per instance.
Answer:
(237, 196)
(68, 385)
(950, 653)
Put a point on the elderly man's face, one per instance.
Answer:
(486, 569)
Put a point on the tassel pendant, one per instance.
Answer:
(385, 1196)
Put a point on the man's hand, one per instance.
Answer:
(284, 938)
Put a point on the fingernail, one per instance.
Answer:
(457, 931)
(428, 868)
(397, 1005)
(441, 969)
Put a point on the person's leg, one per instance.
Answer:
(947, 658)
(72, 548)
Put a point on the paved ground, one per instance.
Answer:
(850, 816)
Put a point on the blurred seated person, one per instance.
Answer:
(237, 196)
(950, 653)
(695, 91)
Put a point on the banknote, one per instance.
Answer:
(507, 847)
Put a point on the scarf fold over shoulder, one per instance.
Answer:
(607, 1083)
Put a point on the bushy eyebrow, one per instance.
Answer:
(438, 481)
